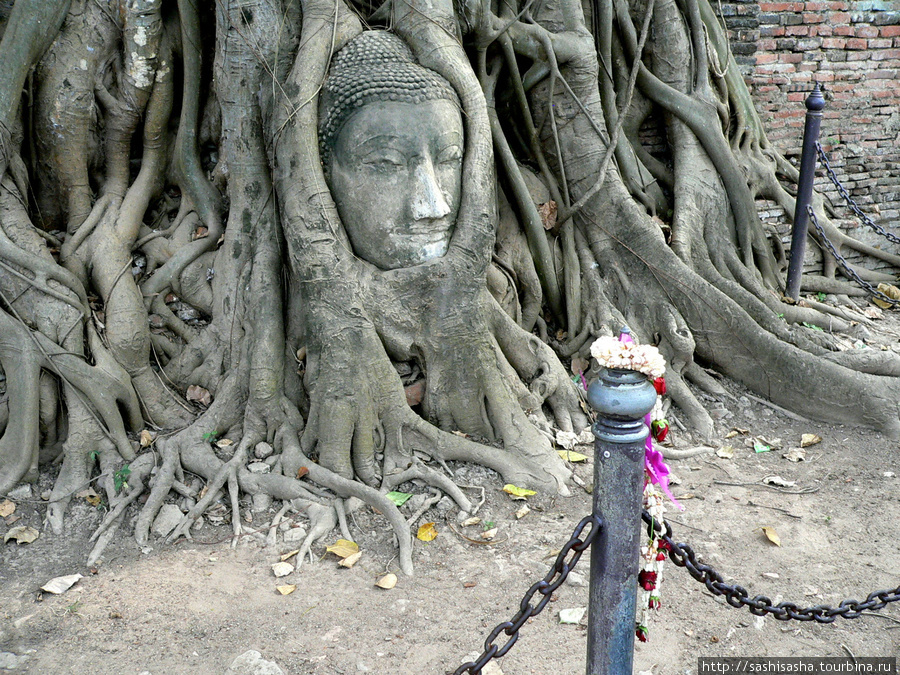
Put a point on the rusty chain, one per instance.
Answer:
(683, 555)
(848, 270)
(851, 203)
(546, 586)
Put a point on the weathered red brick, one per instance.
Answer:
(843, 30)
(857, 43)
(866, 31)
(767, 57)
(834, 43)
(890, 31)
(790, 58)
(796, 30)
(880, 44)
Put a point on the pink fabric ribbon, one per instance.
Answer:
(654, 463)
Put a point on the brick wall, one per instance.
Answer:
(852, 48)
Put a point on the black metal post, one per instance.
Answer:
(622, 398)
(815, 102)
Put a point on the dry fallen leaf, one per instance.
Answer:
(301, 472)
(90, 496)
(487, 535)
(548, 214)
(287, 589)
(23, 534)
(731, 434)
(772, 535)
(282, 569)
(198, 394)
(474, 520)
(387, 582)
(343, 548)
(224, 443)
(524, 511)
(807, 440)
(289, 554)
(518, 493)
(572, 456)
(6, 508)
(61, 584)
(573, 615)
(779, 481)
(725, 452)
(351, 560)
(890, 291)
(795, 455)
(147, 438)
(580, 365)
(427, 532)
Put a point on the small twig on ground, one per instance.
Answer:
(883, 616)
(778, 408)
(849, 653)
(776, 508)
(801, 491)
(680, 524)
(481, 542)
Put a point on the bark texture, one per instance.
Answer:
(174, 273)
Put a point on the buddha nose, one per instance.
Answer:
(428, 200)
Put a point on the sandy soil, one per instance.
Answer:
(195, 606)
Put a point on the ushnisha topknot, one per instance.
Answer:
(374, 66)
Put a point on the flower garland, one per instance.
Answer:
(622, 352)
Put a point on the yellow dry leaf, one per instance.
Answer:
(90, 496)
(772, 535)
(351, 560)
(474, 520)
(890, 291)
(6, 508)
(343, 548)
(387, 582)
(572, 456)
(516, 492)
(147, 438)
(224, 443)
(427, 532)
(731, 434)
(725, 452)
(289, 554)
(524, 511)
(807, 440)
(22, 534)
(488, 535)
(287, 589)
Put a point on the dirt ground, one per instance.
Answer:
(193, 607)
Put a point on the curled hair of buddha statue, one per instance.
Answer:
(374, 66)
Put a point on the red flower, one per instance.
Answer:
(641, 633)
(663, 545)
(647, 580)
(659, 429)
(660, 385)
(654, 602)
(661, 555)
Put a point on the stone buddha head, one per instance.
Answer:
(391, 137)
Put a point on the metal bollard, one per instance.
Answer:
(622, 398)
(815, 102)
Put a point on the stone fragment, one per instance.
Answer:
(166, 520)
(251, 662)
(21, 492)
(263, 450)
(294, 535)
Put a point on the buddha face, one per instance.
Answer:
(395, 175)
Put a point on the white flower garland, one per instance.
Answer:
(612, 353)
